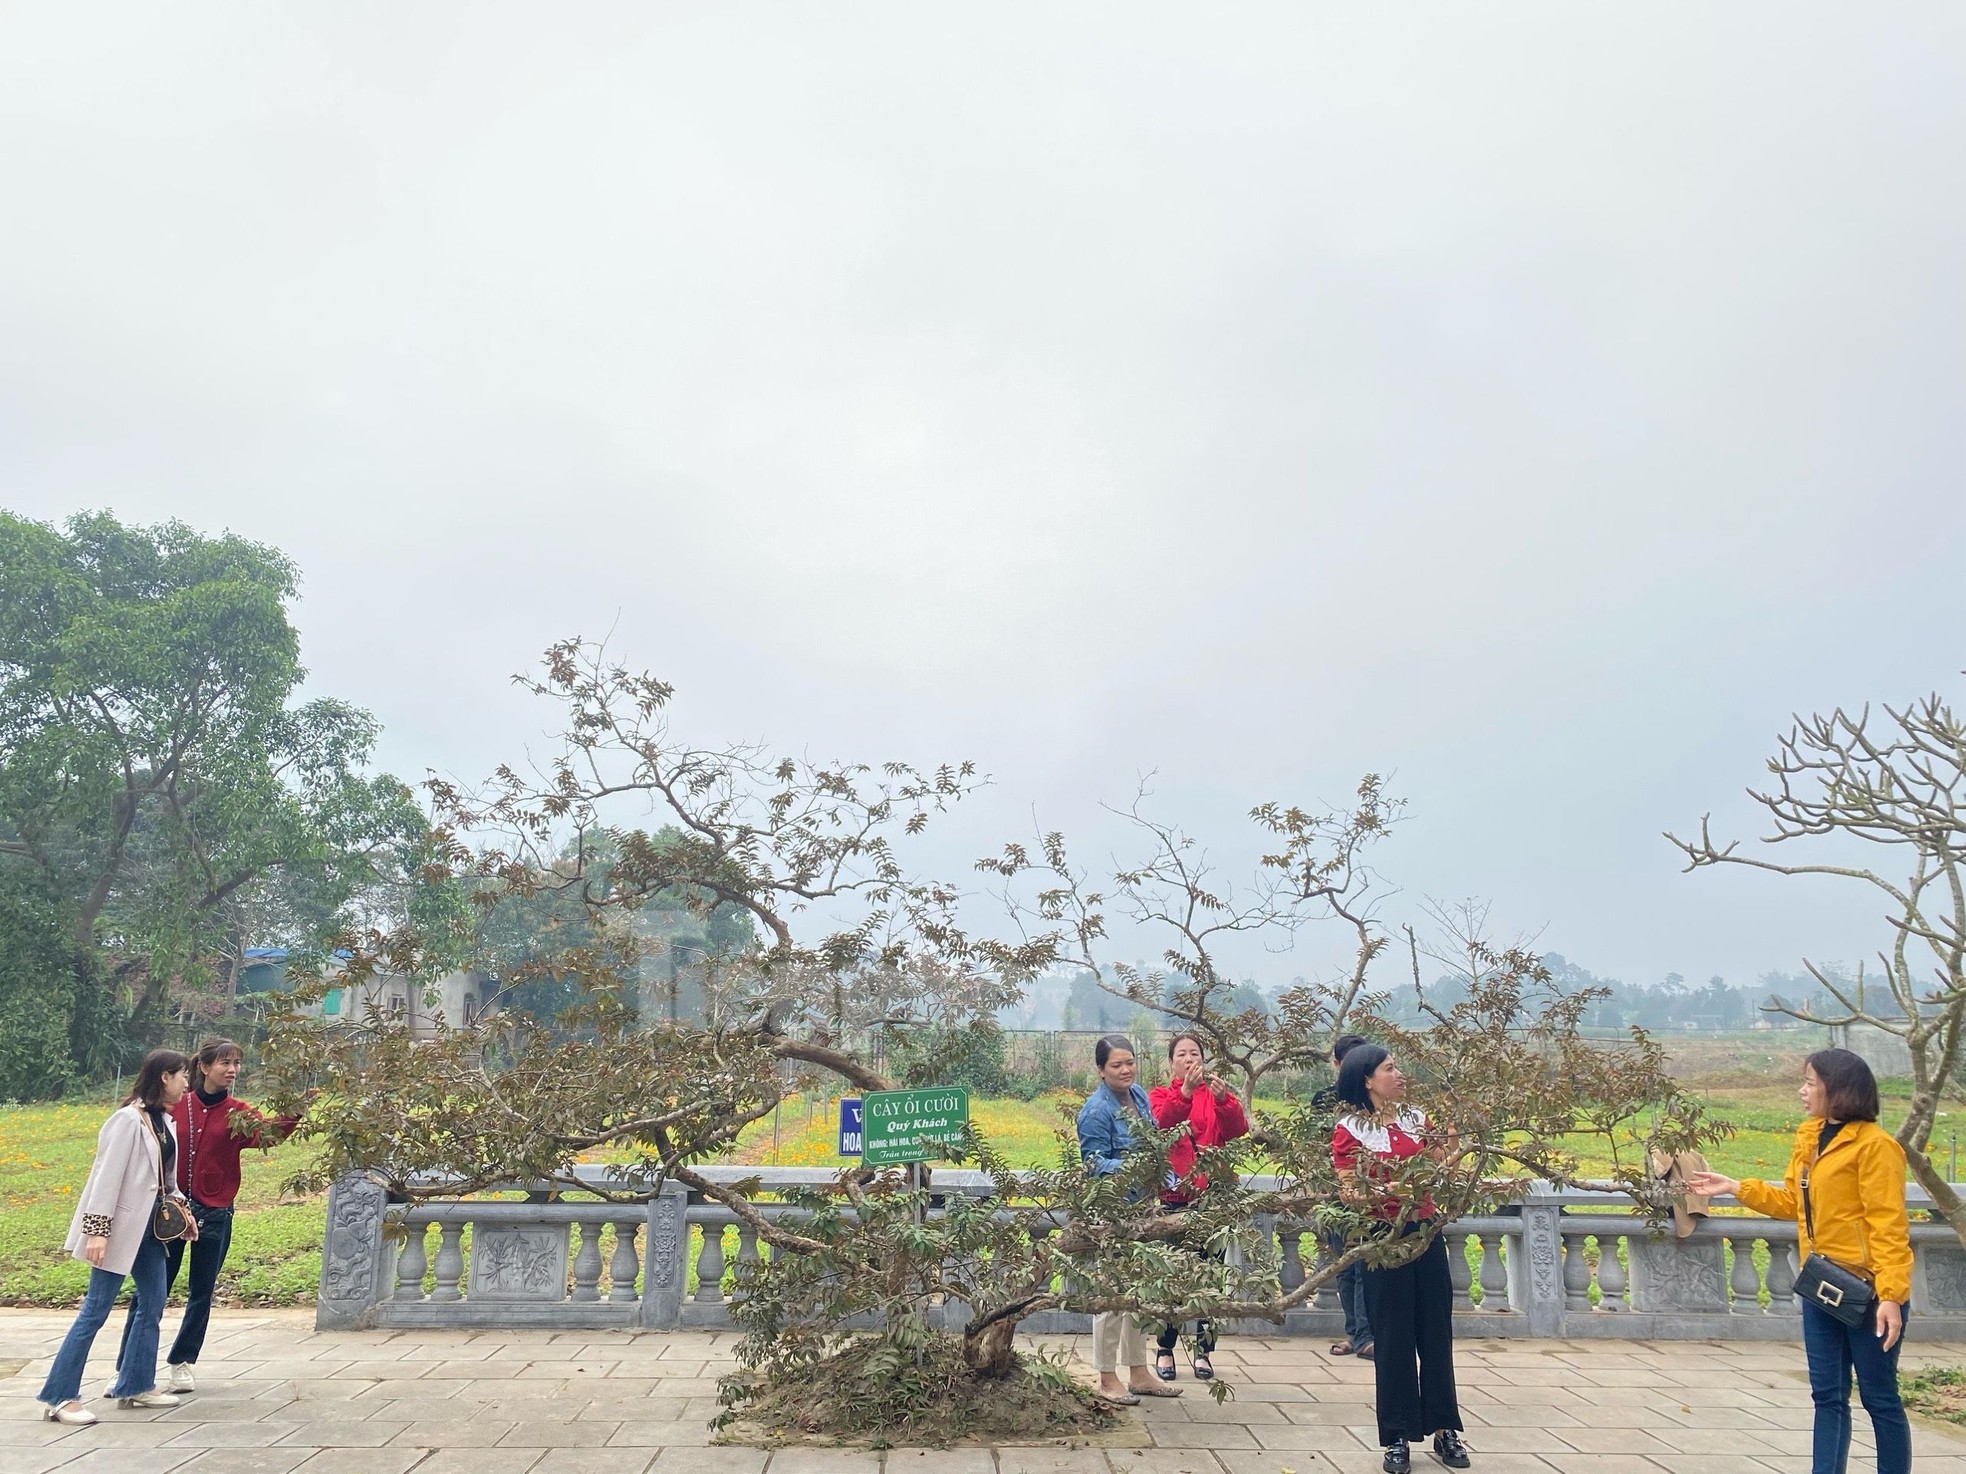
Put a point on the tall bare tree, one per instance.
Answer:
(1896, 781)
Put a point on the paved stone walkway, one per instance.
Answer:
(277, 1396)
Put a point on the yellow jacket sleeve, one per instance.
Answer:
(1887, 1228)
(1777, 1199)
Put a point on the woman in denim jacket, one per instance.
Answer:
(1106, 1135)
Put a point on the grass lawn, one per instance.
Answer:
(276, 1245)
(45, 1152)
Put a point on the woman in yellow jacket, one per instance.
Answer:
(1854, 1172)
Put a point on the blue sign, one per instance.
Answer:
(850, 1126)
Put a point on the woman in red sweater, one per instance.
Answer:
(214, 1127)
(1213, 1116)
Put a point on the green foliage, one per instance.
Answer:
(972, 1055)
(37, 990)
(158, 784)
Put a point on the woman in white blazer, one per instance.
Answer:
(112, 1234)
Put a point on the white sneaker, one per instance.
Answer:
(68, 1412)
(183, 1379)
(152, 1398)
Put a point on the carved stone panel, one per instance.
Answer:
(1678, 1274)
(1945, 1279)
(511, 1262)
(663, 1270)
(351, 1253)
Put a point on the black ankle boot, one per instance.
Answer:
(1449, 1449)
(1399, 1459)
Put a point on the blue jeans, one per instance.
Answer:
(138, 1369)
(207, 1252)
(1350, 1285)
(1835, 1352)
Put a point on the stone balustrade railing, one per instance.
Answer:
(1562, 1264)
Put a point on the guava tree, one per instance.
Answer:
(856, 951)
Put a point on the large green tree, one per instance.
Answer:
(157, 776)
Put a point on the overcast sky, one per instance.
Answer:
(1535, 402)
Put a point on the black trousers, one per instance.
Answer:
(1170, 1335)
(1412, 1311)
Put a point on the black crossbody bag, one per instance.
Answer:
(1844, 1294)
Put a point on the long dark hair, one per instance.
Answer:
(1103, 1050)
(148, 1091)
(1359, 1063)
(1849, 1088)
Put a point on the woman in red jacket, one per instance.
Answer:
(1213, 1116)
(214, 1127)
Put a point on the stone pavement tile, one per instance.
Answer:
(1619, 1415)
(1049, 1461)
(752, 1461)
(1559, 1397)
(1142, 1461)
(1540, 1375)
(606, 1407)
(118, 1461)
(899, 1461)
(1204, 1409)
(1293, 1438)
(1761, 1442)
(1268, 1391)
(342, 1433)
(1589, 1375)
(1326, 1414)
(690, 1433)
(1600, 1463)
(469, 1371)
(231, 1435)
(459, 1434)
(1366, 1461)
(824, 1461)
(247, 1461)
(1667, 1416)
(1207, 1435)
(19, 1460)
(541, 1433)
(1275, 1461)
(1517, 1440)
(481, 1460)
(1502, 1415)
(1731, 1463)
(114, 1432)
(23, 1433)
(1612, 1441)
(1944, 1464)
(604, 1460)
(360, 1461)
(353, 1371)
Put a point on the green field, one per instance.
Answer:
(276, 1246)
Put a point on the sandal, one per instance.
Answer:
(1204, 1368)
(1342, 1348)
(1140, 1392)
(1366, 1351)
(1164, 1365)
(1118, 1399)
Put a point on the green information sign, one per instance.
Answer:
(908, 1125)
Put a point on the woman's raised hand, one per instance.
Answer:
(1712, 1185)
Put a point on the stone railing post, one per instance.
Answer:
(666, 1244)
(354, 1255)
(1536, 1285)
